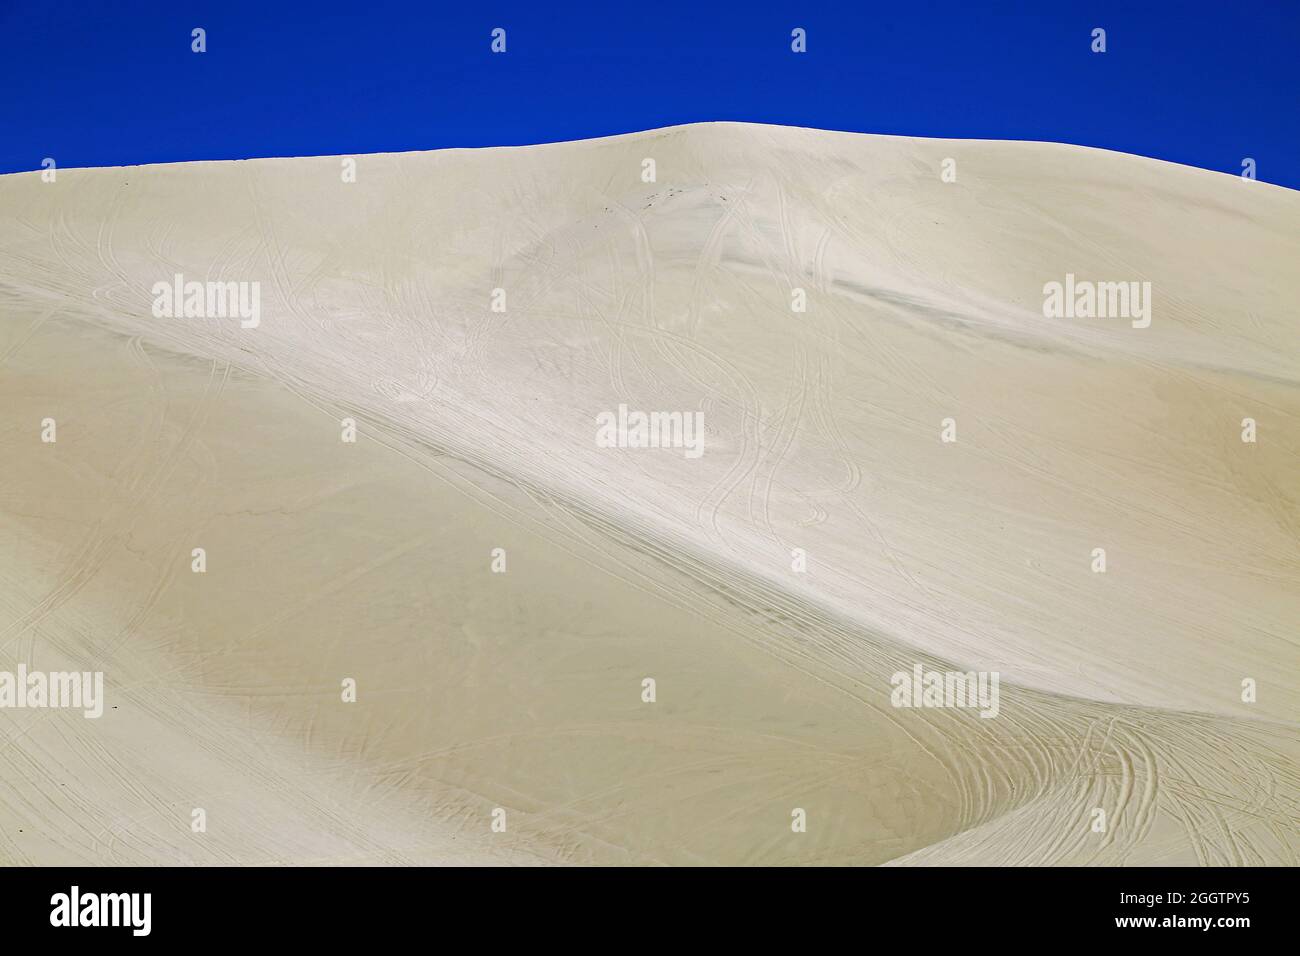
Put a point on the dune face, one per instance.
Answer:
(555, 506)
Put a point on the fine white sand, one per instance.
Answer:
(326, 560)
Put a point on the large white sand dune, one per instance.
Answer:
(1121, 691)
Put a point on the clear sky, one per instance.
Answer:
(115, 83)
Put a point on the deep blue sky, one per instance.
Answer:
(115, 83)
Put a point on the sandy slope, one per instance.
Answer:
(1121, 691)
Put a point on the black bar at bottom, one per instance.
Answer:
(908, 906)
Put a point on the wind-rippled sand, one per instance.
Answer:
(1120, 691)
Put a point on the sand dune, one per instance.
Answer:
(474, 312)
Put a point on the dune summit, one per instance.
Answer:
(579, 504)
